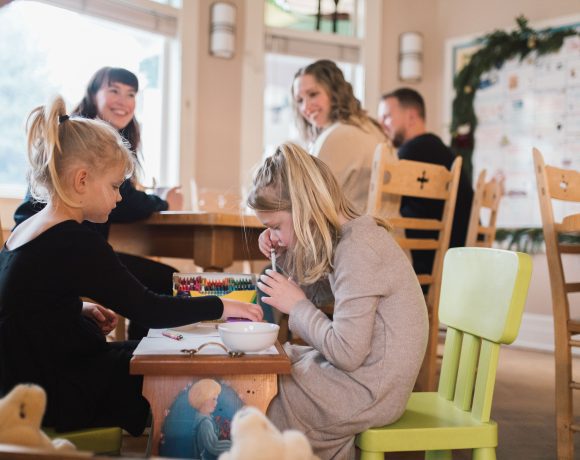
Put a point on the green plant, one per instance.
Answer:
(529, 240)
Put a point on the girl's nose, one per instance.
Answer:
(274, 240)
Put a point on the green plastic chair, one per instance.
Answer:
(482, 299)
(104, 441)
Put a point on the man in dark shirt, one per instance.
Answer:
(402, 115)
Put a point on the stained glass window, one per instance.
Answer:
(330, 16)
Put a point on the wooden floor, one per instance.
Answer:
(523, 407)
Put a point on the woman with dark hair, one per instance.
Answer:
(330, 118)
(111, 96)
(103, 82)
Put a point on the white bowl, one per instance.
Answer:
(248, 336)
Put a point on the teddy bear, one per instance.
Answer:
(21, 413)
(254, 437)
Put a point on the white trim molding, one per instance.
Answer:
(142, 14)
(537, 333)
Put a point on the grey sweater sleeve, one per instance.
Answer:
(346, 340)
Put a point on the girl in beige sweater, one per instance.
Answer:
(359, 368)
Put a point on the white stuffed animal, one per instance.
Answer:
(254, 437)
(21, 413)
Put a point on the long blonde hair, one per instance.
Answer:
(294, 181)
(57, 142)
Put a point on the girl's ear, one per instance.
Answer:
(80, 180)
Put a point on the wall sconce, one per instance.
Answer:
(411, 57)
(222, 31)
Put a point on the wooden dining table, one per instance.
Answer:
(214, 240)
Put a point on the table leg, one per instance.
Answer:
(213, 248)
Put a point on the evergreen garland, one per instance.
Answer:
(500, 46)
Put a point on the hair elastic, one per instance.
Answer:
(62, 118)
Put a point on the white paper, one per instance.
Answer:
(194, 335)
(190, 330)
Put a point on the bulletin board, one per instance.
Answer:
(524, 104)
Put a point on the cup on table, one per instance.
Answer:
(214, 200)
(161, 192)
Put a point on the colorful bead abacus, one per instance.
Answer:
(238, 286)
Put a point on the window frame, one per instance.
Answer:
(152, 17)
(256, 38)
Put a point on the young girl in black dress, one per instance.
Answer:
(47, 335)
(111, 95)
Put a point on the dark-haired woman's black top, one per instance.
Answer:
(135, 205)
(44, 338)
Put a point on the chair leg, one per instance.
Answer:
(438, 455)
(564, 405)
(426, 380)
(121, 329)
(366, 455)
(484, 453)
(284, 331)
(149, 447)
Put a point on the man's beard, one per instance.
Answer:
(398, 139)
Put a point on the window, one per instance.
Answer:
(279, 120)
(46, 50)
(338, 37)
(323, 15)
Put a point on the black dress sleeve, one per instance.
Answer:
(101, 277)
(136, 205)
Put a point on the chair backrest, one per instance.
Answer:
(214, 200)
(382, 204)
(487, 196)
(219, 201)
(421, 180)
(561, 185)
(564, 185)
(483, 295)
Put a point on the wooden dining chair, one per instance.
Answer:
(483, 217)
(562, 185)
(421, 180)
(483, 295)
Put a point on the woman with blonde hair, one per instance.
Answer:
(358, 368)
(332, 121)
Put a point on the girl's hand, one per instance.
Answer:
(237, 309)
(104, 318)
(174, 199)
(265, 244)
(283, 293)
